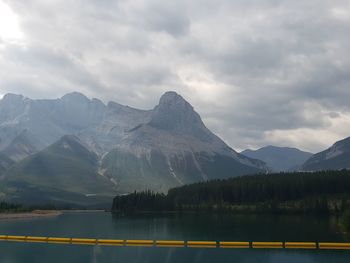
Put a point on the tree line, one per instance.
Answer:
(8, 207)
(324, 191)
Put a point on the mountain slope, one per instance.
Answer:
(5, 163)
(334, 158)
(66, 168)
(133, 149)
(172, 149)
(45, 121)
(23, 145)
(279, 158)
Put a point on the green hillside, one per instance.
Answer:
(63, 172)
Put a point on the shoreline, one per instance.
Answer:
(30, 215)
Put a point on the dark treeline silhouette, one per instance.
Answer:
(141, 201)
(8, 207)
(326, 191)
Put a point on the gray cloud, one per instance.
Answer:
(258, 71)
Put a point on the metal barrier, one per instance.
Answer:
(176, 243)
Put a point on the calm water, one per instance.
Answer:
(174, 227)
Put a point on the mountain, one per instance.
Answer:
(5, 163)
(24, 144)
(279, 158)
(172, 149)
(334, 158)
(65, 172)
(72, 148)
(43, 122)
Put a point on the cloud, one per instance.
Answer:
(259, 71)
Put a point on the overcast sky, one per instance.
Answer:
(259, 72)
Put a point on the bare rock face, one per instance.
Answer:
(175, 114)
(172, 149)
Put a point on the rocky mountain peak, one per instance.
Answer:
(171, 98)
(174, 113)
(11, 106)
(75, 97)
(173, 102)
(13, 97)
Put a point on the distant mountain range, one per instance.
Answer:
(279, 158)
(286, 159)
(75, 150)
(78, 150)
(334, 158)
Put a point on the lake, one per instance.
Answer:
(172, 227)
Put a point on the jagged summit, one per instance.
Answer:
(171, 101)
(12, 97)
(75, 96)
(11, 100)
(174, 113)
(171, 97)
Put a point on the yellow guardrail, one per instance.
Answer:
(36, 239)
(110, 242)
(170, 243)
(226, 244)
(176, 243)
(59, 240)
(323, 245)
(16, 238)
(267, 245)
(202, 244)
(300, 245)
(84, 241)
(139, 243)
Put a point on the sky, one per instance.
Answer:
(259, 72)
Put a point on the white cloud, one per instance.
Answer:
(259, 71)
(9, 26)
(309, 139)
(341, 13)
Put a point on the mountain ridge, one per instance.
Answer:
(155, 149)
(279, 158)
(335, 157)
(176, 147)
